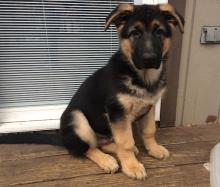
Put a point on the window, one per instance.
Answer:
(47, 48)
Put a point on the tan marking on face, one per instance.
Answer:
(83, 129)
(151, 75)
(139, 25)
(127, 49)
(169, 8)
(166, 45)
(155, 23)
(147, 75)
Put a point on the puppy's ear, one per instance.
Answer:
(172, 16)
(119, 15)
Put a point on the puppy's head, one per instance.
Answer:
(145, 32)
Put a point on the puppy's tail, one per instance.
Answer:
(51, 138)
(75, 134)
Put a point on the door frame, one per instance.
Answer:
(169, 102)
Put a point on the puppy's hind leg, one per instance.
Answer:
(83, 130)
(72, 135)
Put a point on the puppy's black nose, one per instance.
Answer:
(149, 56)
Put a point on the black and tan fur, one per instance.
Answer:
(99, 118)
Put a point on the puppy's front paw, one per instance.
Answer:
(135, 170)
(109, 164)
(159, 152)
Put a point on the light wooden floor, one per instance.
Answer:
(50, 166)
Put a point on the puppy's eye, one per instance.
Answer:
(135, 33)
(159, 32)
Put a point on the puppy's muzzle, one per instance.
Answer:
(151, 60)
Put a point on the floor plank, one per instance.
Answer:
(61, 166)
(178, 176)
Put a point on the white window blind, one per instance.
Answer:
(47, 49)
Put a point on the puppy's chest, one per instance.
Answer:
(137, 105)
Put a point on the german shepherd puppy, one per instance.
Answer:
(100, 115)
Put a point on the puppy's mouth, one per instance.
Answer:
(149, 64)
